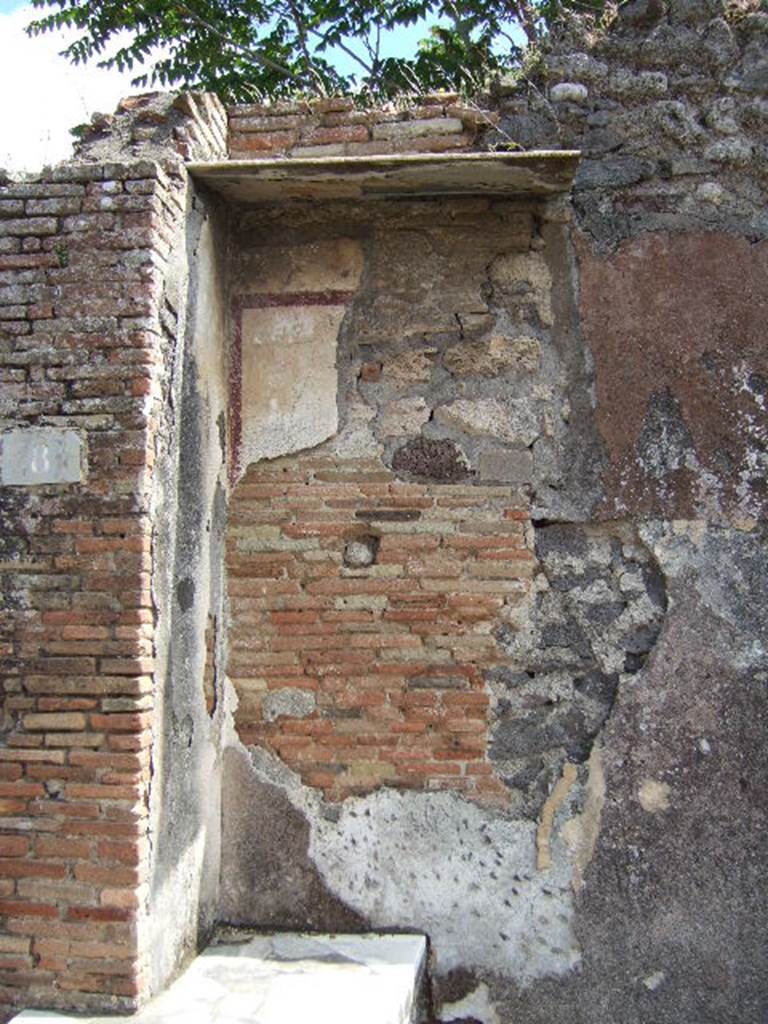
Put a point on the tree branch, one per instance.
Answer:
(323, 37)
(302, 35)
(252, 54)
(525, 15)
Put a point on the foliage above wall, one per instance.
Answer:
(252, 49)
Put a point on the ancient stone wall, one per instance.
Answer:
(83, 307)
(229, 434)
(624, 698)
(388, 579)
(98, 294)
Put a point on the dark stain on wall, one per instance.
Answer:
(268, 878)
(592, 627)
(680, 355)
(424, 459)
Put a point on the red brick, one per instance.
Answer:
(12, 806)
(107, 875)
(59, 847)
(31, 869)
(120, 898)
(332, 135)
(21, 908)
(13, 846)
(98, 914)
(21, 789)
(55, 721)
(131, 723)
(124, 853)
(246, 144)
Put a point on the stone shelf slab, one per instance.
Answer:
(539, 173)
(285, 979)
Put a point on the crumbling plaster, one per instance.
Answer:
(190, 479)
(632, 452)
(602, 357)
(476, 347)
(527, 375)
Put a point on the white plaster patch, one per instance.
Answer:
(476, 1005)
(654, 796)
(355, 438)
(711, 192)
(572, 92)
(289, 378)
(289, 702)
(654, 981)
(440, 864)
(42, 455)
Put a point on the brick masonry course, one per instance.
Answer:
(438, 124)
(462, 358)
(77, 626)
(391, 654)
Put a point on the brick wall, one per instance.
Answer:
(359, 675)
(439, 123)
(83, 309)
(156, 126)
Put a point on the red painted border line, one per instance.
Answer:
(235, 392)
(328, 297)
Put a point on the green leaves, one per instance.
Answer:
(247, 49)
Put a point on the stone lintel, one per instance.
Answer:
(537, 174)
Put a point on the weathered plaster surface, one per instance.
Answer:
(288, 303)
(444, 347)
(190, 471)
(614, 373)
(680, 372)
(436, 863)
(522, 928)
(603, 358)
(289, 378)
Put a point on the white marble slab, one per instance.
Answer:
(286, 979)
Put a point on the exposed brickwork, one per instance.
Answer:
(157, 125)
(438, 123)
(400, 634)
(379, 666)
(83, 255)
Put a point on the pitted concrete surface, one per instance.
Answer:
(286, 979)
